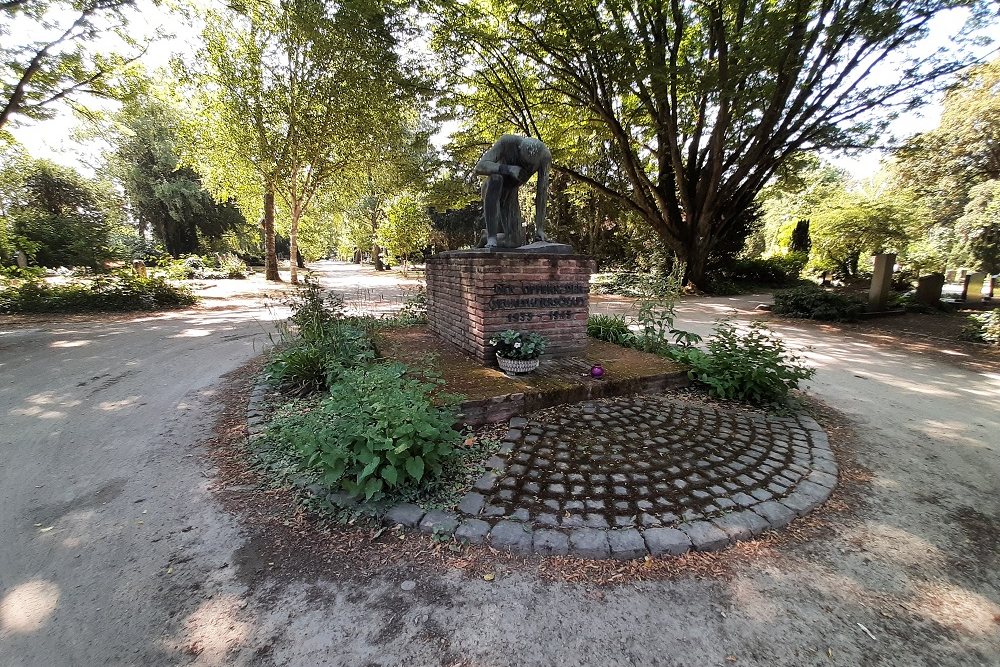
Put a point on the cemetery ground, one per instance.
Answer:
(130, 532)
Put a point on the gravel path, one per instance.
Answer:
(113, 550)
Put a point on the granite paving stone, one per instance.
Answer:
(473, 531)
(670, 541)
(512, 535)
(589, 543)
(626, 544)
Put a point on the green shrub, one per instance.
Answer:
(414, 310)
(984, 327)
(617, 282)
(778, 270)
(325, 343)
(232, 267)
(120, 292)
(610, 328)
(299, 369)
(17, 273)
(817, 304)
(314, 312)
(749, 366)
(656, 312)
(377, 431)
(312, 364)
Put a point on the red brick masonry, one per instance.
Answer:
(472, 295)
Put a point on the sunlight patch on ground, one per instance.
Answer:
(213, 630)
(903, 547)
(126, 402)
(193, 333)
(956, 608)
(40, 405)
(949, 431)
(27, 608)
(746, 595)
(69, 343)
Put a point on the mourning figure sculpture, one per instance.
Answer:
(507, 166)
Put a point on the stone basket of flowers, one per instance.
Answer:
(518, 351)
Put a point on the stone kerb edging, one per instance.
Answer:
(749, 514)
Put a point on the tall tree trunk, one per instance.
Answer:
(377, 258)
(270, 256)
(293, 244)
(696, 261)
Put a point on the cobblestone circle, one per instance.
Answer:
(626, 477)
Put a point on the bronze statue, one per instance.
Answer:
(507, 166)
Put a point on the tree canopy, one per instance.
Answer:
(697, 104)
(45, 54)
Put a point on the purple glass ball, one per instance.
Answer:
(597, 372)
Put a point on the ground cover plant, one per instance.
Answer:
(752, 365)
(363, 428)
(815, 303)
(984, 327)
(118, 292)
(320, 345)
(611, 328)
(379, 429)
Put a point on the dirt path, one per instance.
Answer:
(113, 550)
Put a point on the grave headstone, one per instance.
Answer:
(878, 295)
(139, 268)
(22, 259)
(949, 276)
(973, 292)
(929, 289)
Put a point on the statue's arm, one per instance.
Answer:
(487, 165)
(541, 197)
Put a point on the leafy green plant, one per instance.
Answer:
(414, 310)
(17, 273)
(232, 266)
(323, 344)
(753, 365)
(518, 344)
(817, 304)
(315, 311)
(777, 270)
(656, 312)
(984, 327)
(313, 364)
(299, 369)
(378, 430)
(120, 292)
(610, 328)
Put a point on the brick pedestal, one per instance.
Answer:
(473, 295)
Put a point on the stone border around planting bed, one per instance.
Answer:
(599, 543)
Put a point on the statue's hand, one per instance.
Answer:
(513, 171)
